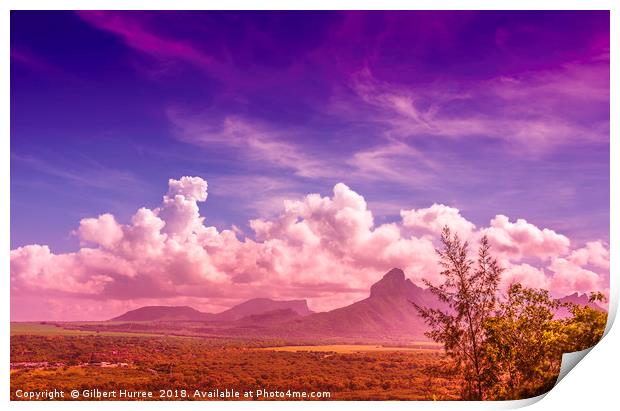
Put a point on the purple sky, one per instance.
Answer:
(486, 112)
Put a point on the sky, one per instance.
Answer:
(204, 158)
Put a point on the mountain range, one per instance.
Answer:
(251, 307)
(386, 314)
(575, 298)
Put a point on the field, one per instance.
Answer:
(353, 348)
(38, 328)
(47, 359)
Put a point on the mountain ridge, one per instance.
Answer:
(386, 314)
(254, 306)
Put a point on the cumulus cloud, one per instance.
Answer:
(521, 239)
(337, 239)
(316, 247)
(325, 248)
(103, 230)
(595, 254)
(569, 277)
(179, 209)
(527, 275)
(435, 218)
(36, 267)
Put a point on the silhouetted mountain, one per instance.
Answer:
(575, 298)
(386, 314)
(161, 313)
(255, 306)
(580, 299)
(268, 319)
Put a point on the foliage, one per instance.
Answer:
(155, 363)
(470, 296)
(522, 342)
(509, 347)
(526, 341)
(586, 325)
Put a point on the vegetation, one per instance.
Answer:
(154, 363)
(470, 296)
(353, 348)
(503, 348)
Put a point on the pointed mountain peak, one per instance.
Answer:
(392, 283)
(577, 298)
(395, 274)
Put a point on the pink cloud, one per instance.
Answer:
(521, 239)
(594, 254)
(36, 267)
(103, 230)
(435, 218)
(569, 277)
(327, 249)
(527, 275)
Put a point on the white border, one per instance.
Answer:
(592, 384)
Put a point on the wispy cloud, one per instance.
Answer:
(532, 113)
(263, 195)
(393, 161)
(25, 57)
(389, 160)
(136, 35)
(253, 140)
(86, 173)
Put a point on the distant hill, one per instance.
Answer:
(387, 314)
(161, 313)
(267, 319)
(580, 299)
(575, 298)
(256, 306)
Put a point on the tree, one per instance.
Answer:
(469, 295)
(509, 347)
(523, 341)
(586, 325)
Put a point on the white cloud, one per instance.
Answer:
(435, 218)
(325, 248)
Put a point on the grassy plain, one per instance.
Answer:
(354, 348)
(40, 328)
